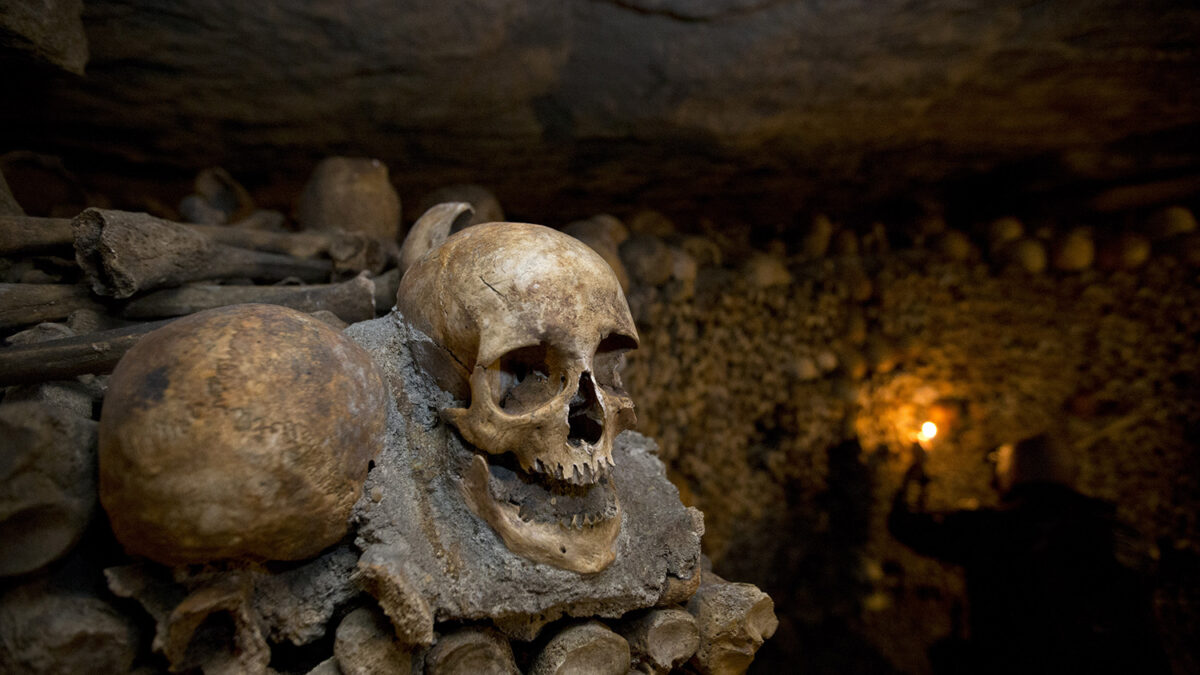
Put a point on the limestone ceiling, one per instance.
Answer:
(594, 102)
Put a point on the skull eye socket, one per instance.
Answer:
(610, 357)
(521, 379)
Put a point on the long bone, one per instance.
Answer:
(24, 304)
(67, 357)
(365, 644)
(123, 253)
(26, 234)
(350, 251)
(60, 359)
(351, 301)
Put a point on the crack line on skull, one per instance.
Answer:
(456, 359)
(494, 289)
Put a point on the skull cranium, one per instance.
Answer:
(532, 326)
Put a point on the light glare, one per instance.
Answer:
(928, 431)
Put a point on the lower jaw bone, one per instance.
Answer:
(576, 546)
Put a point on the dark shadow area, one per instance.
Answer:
(1045, 591)
(807, 558)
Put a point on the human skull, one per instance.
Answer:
(240, 432)
(530, 327)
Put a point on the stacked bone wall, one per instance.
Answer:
(752, 377)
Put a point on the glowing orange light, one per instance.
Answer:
(927, 432)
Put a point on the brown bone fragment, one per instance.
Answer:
(221, 191)
(471, 651)
(26, 234)
(181, 613)
(96, 352)
(386, 286)
(411, 617)
(351, 301)
(364, 644)
(661, 639)
(431, 229)
(123, 253)
(486, 206)
(186, 645)
(152, 587)
(296, 244)
(733, 619)
(351, 193)
(60, 359)
(47, 483)
(24, 304)
(584, 648)
(350, 251)
(48, 627)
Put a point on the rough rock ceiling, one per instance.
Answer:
(594, 104)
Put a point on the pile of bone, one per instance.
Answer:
(115, 275)
(1007, 243)
(783, 341)
(80, 293)
(826, 327)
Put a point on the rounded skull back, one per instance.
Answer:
(496, 287)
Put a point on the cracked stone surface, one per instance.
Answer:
(664, 102)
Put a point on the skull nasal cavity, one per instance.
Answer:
(585, 416)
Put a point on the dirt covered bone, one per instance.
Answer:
(353, 194)
(733, 619)
(351, 301)
(471, 651)
(243, 431)
(61, 358)
(27, 304)
(660, 639)
(426, 553)
(365, 644)
(588, 647)
(431, 229)
(222, 618)
(124, 253)
(536, 322)
(50, 624)
(47, 483)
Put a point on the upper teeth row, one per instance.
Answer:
(584, 473)
(578, 521)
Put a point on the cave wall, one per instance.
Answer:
(584, 105)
